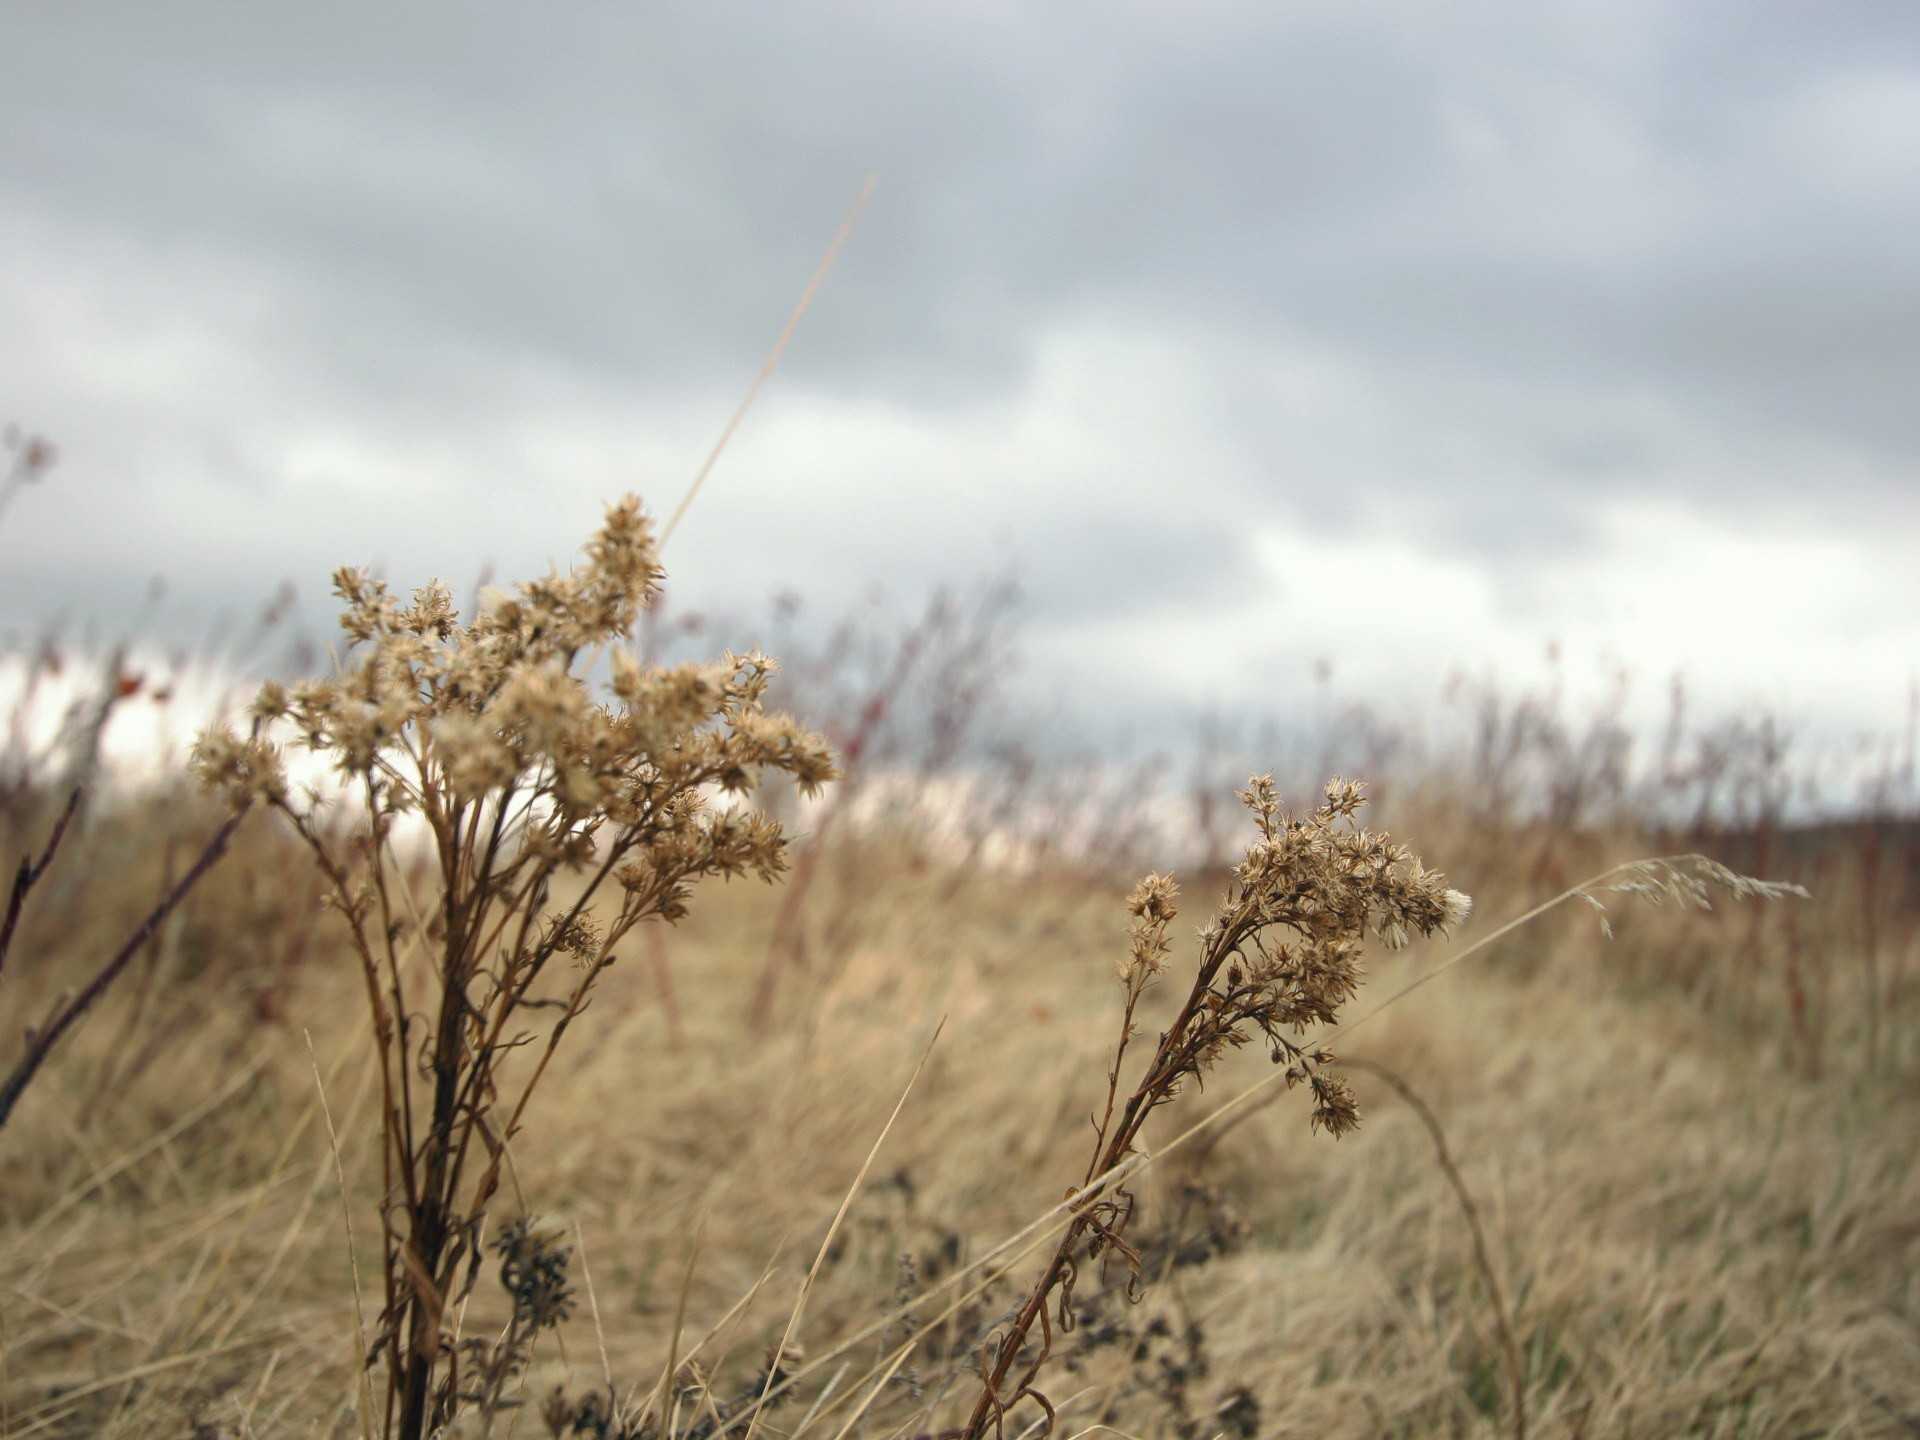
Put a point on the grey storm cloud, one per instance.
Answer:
(1621, 192)
(1563, 254)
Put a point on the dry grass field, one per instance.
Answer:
(1657, 1182)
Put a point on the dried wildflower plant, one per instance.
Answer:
(1280, 954)
(560, 813)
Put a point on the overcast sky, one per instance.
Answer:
(1411, 335)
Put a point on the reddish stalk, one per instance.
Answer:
(42, 1038)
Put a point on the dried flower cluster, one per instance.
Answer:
(1283, 952)
(694, 1410)
(1280, 954)
(561, 813)
(533, 1272)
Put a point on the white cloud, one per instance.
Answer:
(1856, 133)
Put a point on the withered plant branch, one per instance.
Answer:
(1280, 953)
(563, 812)
(1252, 1099)
(42, 1039)
(30, 871)
(1516, 1372)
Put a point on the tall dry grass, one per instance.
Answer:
(1659, 1182)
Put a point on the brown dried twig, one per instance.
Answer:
(42, 1038)
(1280, 954)
(561, 813)
(30, 871)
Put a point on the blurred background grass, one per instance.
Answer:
(1689, 1143)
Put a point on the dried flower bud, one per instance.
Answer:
(241, 770)
(1334, 1108)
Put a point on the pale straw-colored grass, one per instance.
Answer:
(1692, 1237)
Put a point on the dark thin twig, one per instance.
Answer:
(30, 871)
(1515, 1374)
(42, 1039)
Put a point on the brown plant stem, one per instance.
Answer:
(42, 1038)
(30, 871)
(1516, 1372)
(1171, 1059)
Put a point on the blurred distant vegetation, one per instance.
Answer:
(1648, 1176)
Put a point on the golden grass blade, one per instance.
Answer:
(593, 1305)
(662, 1391)
(826, 1244)
(186, 1122)
(874, 1393)
(1711, 873)
(773, 357)
(57, 1409)
(826, 1394)
(353, 1251)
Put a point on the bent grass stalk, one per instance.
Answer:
(771, 363)
(1483, 1259)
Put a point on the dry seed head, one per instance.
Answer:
(1335, 1109)
(499, 707)
(239, 769)
(1283, 951)
(1690, 881)
(1153, 907)
(522, 769)
(533, 1270)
